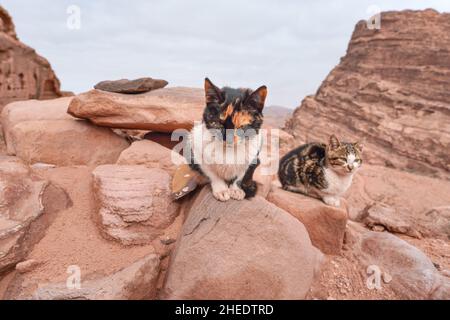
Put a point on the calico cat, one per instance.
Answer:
(225, 146)
(321, 171)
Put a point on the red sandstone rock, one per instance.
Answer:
(23, 73)
(31, 110)
(65, 143)
(400, 202)
(134, 203)
(399, 102)
(24, 200)
(135, 282)
(403, 268)
(151, 154)
(325, 224)
(241, 250)
(163, 110)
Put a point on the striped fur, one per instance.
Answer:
(320, 170)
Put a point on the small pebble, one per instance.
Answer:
(26, 266)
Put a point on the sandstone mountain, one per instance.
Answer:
(23, 73)
(392, 89)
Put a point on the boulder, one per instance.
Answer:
(382, 93)
(247, 249)
(151, 154)
(325, 224)
(163, 110)
(135, 282)
(134, 204)
(31, 110)
(131, 86)
(382, 197)
(65, 143)
(23, 73)
(404, 268)
(24, 199)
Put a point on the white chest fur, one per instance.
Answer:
(213, 155)
(337, 184)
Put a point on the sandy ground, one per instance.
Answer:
(74, 239)
(342, 278)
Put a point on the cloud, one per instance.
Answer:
(288, 45)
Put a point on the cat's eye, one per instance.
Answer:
(340, 159)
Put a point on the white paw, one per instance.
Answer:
(223, 195)
(237, 193)
(332, 201)
(220, 190)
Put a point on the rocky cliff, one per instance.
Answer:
(391, 89)
(23, 73)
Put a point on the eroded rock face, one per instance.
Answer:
(135, 282)
(134, 203)
(241, 250)
(163, 110)
(23, 200)
(23, 73)
(21, 205)
(398, 101)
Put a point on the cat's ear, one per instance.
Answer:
(334, 142)
(359, 145)
(212, 93)
(259, 97)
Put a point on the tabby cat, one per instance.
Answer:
(225, 146)
(321, 171)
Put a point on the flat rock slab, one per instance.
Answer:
(401, 202)
(65, 143)
(134, 203)
(135, 282)
(241, 250)
(31, 110)
(325, 224)
(131, 86)
(163, 110)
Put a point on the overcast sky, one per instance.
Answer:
(290, 46)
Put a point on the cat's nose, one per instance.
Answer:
(350, 167)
